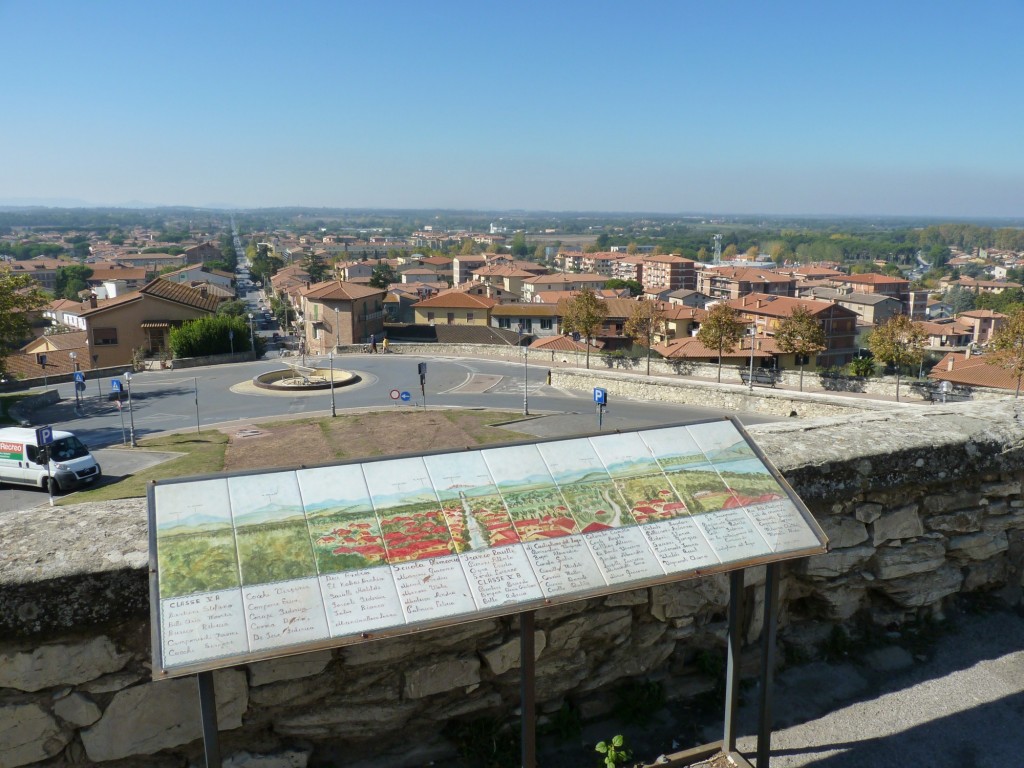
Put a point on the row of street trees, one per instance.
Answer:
(898, 343)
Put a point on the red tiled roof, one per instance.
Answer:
(457, 299)
(337, 290)
(975, 371)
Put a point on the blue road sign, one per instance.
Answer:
(116, 385)
(79, 376)
(44, 435)
(575, 335)
(600, 396)
(80, 386)
(406, 397)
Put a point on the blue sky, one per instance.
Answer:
(901, 108)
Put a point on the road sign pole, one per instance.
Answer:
(334, 411)
(195, 384)
(120, 410)
(131, 413)
(49, 479)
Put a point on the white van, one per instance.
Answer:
(22, 463)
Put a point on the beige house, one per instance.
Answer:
(454, 308)
(336, 313)
(140, 320)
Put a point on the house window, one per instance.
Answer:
(430, 317)
(504, 322)
(451, 318)
(469, 317)
(102, 337)
(545, 324)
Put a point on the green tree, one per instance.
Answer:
(802, 335)
(315, 267)
(233, 308)
(519, 246)
(721, 329)
(19, 295)
(898, 342)
(635, 286)
(1008, 346)
(585, 314)
(70, 280)
(468, 247)
(646, 322)
(383, 275)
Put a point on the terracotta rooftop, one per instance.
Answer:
(975, 371)
(777, 306)
(337, 290)
(457, 299)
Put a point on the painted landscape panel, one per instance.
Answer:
(625, 455)
(537, 508)
(270, 528)
(195, 541)
(692, 476)
(470, 501)
(589, 492)
(411, 521)
(343, 527)
(651, 498)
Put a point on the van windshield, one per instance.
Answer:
(68, 448)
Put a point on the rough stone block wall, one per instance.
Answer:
(919, 504)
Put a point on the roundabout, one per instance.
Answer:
(299, 378)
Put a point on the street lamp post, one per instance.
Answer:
(252, 340)
(331, 358)
(78, 404)
(753, 330)
(131, 413)
(526, 373)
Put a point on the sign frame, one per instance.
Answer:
(160, 671)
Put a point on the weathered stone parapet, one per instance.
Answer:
(919, 504)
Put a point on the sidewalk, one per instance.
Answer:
(961, 708)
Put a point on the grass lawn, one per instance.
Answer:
(306, 441)
(203, 454)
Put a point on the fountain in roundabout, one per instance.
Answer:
(303, 377)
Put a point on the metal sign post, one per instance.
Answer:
(116, 389)
(44, 437)
(208, 713)
(601, 398)
(422, 367)
(131, 413)
(195, 385)
(334, 411)
(527, 690)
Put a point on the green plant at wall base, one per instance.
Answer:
(565, 724)
(637, 700)
(862, 366)
(488, 743)
(614, 751)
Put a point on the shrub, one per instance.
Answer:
(211, 336)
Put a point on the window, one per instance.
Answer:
(504, 322)
(451, 318)
(104, 336)
(545, 324)
(430, 317)
(469, 317)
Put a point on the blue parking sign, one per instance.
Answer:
(44, 435)
(600, 396)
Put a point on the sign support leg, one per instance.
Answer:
(771, 618)
(527, 690)
(208, 712)
(732, 670)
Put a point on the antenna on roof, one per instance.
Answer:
(718, 249)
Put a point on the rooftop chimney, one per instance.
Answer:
(92, 301)
(949, 365)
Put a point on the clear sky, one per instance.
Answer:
(902, 107)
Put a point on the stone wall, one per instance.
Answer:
(911, 389)
(227, 357)
(736, 397)
(919, 503)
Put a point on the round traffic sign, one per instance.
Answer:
(406, 397)
(395, 394)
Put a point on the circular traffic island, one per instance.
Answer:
(299, 378)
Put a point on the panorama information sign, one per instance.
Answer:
(253, 566)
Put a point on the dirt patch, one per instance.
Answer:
(318, 441)
(286, 445)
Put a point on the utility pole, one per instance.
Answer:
(131, 413)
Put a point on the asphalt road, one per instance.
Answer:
(167, 400)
